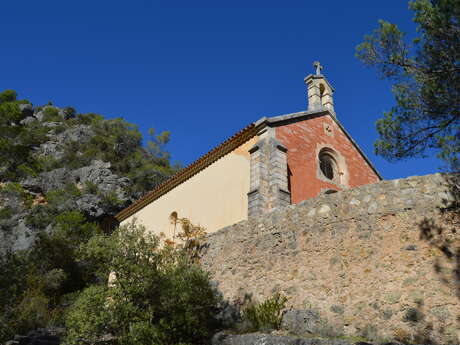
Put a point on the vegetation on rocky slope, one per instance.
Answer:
(63, 176)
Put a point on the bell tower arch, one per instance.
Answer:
(319, 91)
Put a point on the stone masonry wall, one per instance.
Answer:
(380, 260)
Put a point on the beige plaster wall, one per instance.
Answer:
(214, 198)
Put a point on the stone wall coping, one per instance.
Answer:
(330, 200)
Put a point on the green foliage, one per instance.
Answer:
(15, 156)
(69, 113)
(8, 96)
(6, 212)
(38, 285)
(47, 163)
(266, 315)
(89, 317)
(42, 215)
(51, 114)
(91, 188)
(115, 141)
(154, 145)
(60, 196)
(426, 75)
(15, 190)
(12, 285)
(111, 200)
(39, 217)
(156, 296)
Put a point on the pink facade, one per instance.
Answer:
(305, 140)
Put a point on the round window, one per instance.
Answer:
(328, 165)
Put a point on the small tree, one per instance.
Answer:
(157, 295)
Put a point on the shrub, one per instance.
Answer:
(8, 96)
(61, 196)
(158, 296)
(47, 163)
(23, 170)
(51, 114)
(111, 200)
(15, 190)
(89, 316)
(69, 113)
(6, 212)
(90, 188)
(266, 315)
(39, 217)
(12, 285)
(37, 285)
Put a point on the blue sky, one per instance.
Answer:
(200, 69)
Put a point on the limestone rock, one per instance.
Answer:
(98, 173)
(28, 120)
(227, 315)
(40, 113)
(41, 336)
(26, 109)
(55, 146)
(110, 194)
(47, 181)
(304, 322)
(268, 339)
(90, 204)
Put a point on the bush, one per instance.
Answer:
(69, 113)
(12, 285)
(8, 96)
(92, 303)
(90, 188)
(157, 296)
(38, 285)
(266, 315)
(51, 114)
(111, 200)
(39, 217)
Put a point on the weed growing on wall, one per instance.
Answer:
(190, 236)
(267, 314)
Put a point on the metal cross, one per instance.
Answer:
(318, 67)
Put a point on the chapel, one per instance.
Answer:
(273, 162)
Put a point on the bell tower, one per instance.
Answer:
(319, 91)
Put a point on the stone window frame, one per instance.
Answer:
(340, 178)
